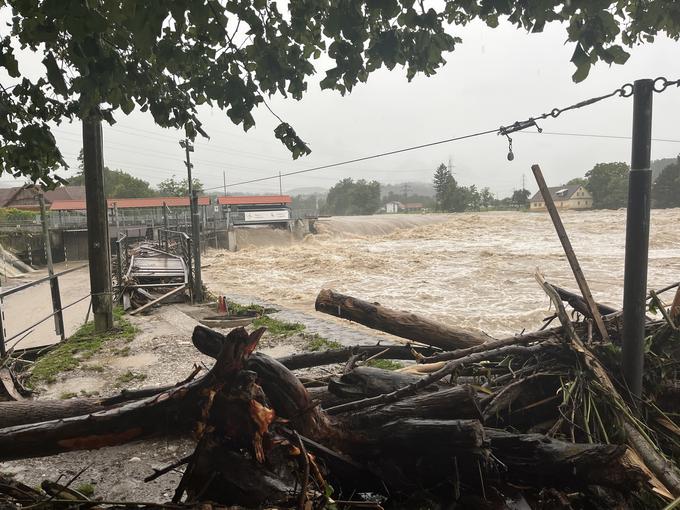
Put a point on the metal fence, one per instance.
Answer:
(177, 243)
(57, 308)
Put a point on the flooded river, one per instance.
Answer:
(469, 269)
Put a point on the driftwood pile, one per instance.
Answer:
(538, 420)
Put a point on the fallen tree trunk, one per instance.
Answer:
(537, 460)
(402, 324)
(173, 411)
(333, 356)
(35, 411)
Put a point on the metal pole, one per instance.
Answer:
(117, 220)
(54, 284)
(196, 237)
(165, 225)
(3, 349)
(195, 225)
(224, 180)
(637, 237)
(280, 186)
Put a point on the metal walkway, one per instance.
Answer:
(151, 268)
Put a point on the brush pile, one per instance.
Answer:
(539, 420)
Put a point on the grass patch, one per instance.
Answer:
(86, 489)
(94, 368)
(277, 327)
(247, 310)
(79, 347)
(385, 364)
(318, 343)
(67, 394)
(129, 376)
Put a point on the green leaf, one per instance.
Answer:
(55, 75)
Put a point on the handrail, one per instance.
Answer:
(47, 278)
(184, 234)
(7, 340)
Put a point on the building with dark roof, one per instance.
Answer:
(573, 196)
(26, 197)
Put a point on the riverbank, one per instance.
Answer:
(160, 353)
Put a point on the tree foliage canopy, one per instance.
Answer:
(179, 187)
(666, 190)
(608, 183)
(169, 57)
(119, 184)
(348, 197)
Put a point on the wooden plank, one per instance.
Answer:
(158, 300)
(569, 251)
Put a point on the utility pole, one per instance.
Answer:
(280, 186)
(224, 180)
(404, 187)
(54, 284)
(637, 238)
(523, 185)
(195, 223)
(98, 242)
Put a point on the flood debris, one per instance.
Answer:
(153, 276)
(538, 420)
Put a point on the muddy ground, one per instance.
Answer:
(161, 353)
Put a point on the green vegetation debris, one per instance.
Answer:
(129, 376)
(67, 394)
(385, 364)
(277, 327)
(234, 308)
(79, 347)
(86, 489)
(318, 343)
(11, 214)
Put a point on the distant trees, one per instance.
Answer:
(666, 189)
(428, 202)
(450, 197)
(117, 183)
(173, 187)
(348, 197)
(520, 197)
(313, 202)
(486, 198)
(608, 183)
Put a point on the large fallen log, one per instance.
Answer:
(537, 460)
(402, 324)
(174, 411)
(35, 411)
(333, 356)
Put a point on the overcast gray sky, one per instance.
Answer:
(495, 77)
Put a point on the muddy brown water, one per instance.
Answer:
(469, 269)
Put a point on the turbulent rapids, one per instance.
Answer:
(469, 269)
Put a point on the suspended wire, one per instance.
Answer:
(625, 91)
(593, 135)
(364, 158)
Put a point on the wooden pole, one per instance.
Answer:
(54, 284)
(158, 299)
(99, 253)
(569, 251)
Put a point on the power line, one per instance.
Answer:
(365, 158)
(594, 135)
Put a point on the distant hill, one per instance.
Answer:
(659, 164)
(311, 190)
(414, 188)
